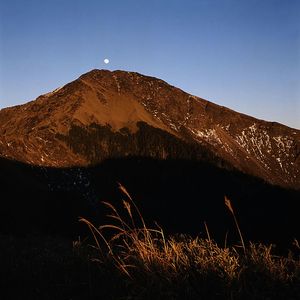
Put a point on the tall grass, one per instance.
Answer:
(229, 206)
(155, 267)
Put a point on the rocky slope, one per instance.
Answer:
(107, 114)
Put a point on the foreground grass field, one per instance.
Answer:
(128, 260)
(50, 268)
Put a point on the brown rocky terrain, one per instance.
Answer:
(99, 115)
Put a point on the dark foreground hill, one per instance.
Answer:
(180, 195)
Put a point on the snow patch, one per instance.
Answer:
(117, 83)
(208, 134)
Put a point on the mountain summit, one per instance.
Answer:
(105, 114)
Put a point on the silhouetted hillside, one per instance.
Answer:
(179, 194)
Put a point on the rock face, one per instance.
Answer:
(105, 114)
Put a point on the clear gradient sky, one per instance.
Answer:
(243, 54)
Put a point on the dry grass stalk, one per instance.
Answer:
(229, 206)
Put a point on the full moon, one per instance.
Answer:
(106, 60)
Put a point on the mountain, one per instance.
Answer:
(105, 114)
(64, 153)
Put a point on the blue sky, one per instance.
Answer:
(243, 54)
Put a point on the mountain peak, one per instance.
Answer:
(106, 72)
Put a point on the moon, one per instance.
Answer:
(106, 60)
